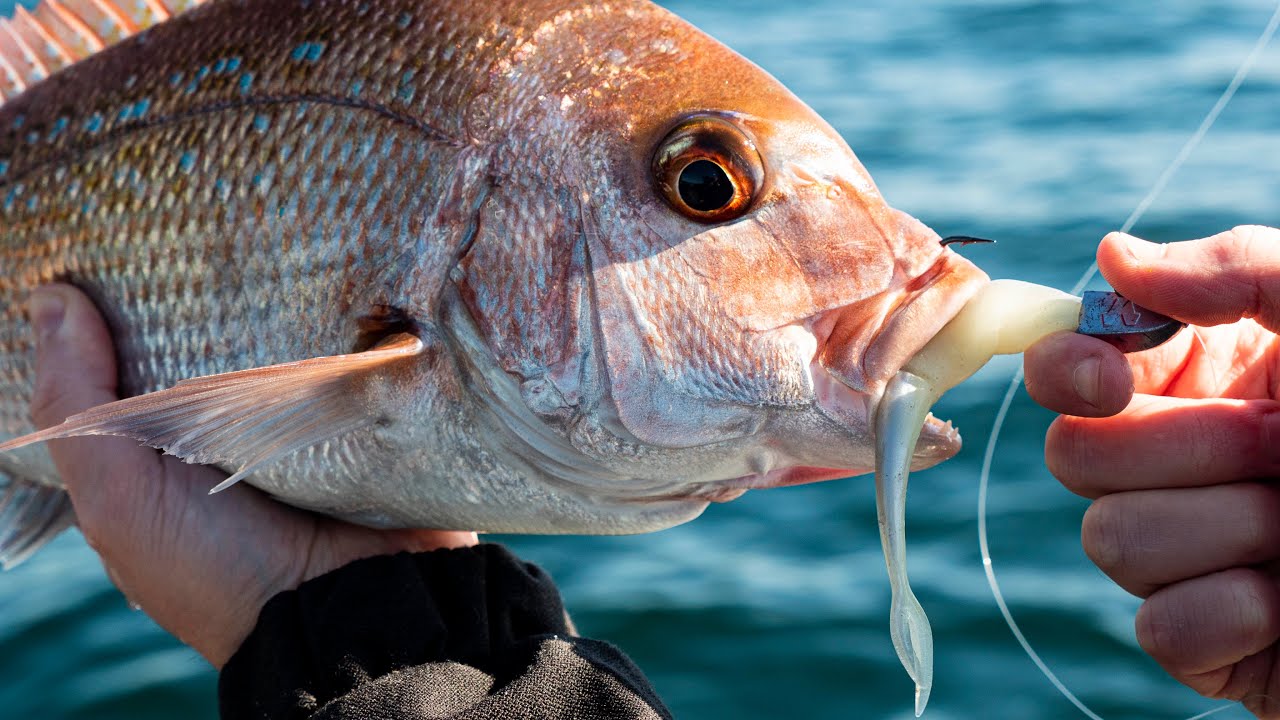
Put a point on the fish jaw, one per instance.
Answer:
(865, 343)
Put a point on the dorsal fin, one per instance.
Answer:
(35, 44)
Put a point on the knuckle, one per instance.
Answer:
(1251, 250)
(1105, 537)
(1160, 632)
(1063, 445)
(1256, 530)
(1250, 606)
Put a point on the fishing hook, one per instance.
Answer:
(963, 240)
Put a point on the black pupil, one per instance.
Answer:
(704, 186)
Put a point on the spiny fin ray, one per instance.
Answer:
(57, 33)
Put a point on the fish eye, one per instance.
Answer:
(707, 169)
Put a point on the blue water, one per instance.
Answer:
(1038, 123)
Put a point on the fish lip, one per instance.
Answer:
(930, 301)
(916, 311)
(922, 309)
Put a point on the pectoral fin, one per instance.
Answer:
(250, 417)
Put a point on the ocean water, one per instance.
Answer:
(1041, 124)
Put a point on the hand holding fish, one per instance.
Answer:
(201, 566)
(1184, 513)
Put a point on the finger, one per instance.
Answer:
(1078, 375)
(76, 370)
(1223, 361)
(427, 540)
(1216, 280)
(1162, 442)
(1147, 539)
(75, 364)
(1197, 627)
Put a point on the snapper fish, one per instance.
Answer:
(531, 266)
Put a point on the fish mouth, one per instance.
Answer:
(922, 310)
(898, 325)
(892, 331)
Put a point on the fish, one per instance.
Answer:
(534, 266)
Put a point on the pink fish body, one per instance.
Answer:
(544, 266)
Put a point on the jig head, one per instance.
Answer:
(1112, 318)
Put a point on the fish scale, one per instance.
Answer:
(437, 253)
(115, 195)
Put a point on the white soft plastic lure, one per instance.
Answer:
(1006, 316)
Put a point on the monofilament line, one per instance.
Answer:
(1194, 141)
(988, 456)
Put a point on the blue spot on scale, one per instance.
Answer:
(246, 83)
(31, 202)
(261, 123)
(4, 166)
(19, 121)
(94, 123)
(404, 20)
(357, 87)
(220, 65)
(175, 79)
(33, 137)
(187, 162)
(233, 64)
(308, 51)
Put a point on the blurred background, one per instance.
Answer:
(1041, 124)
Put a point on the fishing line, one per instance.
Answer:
(1016, 381)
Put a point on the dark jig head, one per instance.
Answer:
(1115, 319)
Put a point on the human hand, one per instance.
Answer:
(201, 566)
(1185, 511)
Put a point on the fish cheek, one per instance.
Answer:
(700, 337)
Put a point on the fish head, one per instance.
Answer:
(743, 291)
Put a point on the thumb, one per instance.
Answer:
(76, 370)
(1213, 281)
(75, 365)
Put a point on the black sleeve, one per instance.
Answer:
(467, 633)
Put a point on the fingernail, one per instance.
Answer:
(46, 310)
(1140, 249)
(1087, 379)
